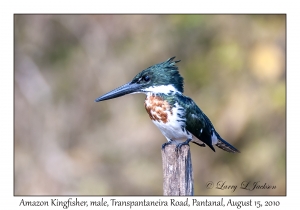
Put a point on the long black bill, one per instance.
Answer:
(120, 91)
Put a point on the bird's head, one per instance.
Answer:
(160, 78)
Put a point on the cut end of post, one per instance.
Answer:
(177, 170)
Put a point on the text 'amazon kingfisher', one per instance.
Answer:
(177, 116)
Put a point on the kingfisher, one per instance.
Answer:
(177, 116)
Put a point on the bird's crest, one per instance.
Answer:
(164, 75)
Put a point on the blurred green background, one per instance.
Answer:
(66, 144)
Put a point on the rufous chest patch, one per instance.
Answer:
(157, 108)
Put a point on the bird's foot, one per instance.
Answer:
(178, 146)
(165, 144)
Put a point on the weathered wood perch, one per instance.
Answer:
(177, 170)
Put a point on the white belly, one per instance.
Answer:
(173, 129)
(169, 120)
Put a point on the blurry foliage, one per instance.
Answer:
(65, 144)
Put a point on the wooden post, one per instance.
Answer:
(177, 170)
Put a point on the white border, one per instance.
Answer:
(6, 74)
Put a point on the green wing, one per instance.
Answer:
(197, 122)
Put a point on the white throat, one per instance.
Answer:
(166, 89)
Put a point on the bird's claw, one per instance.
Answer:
(165, 144)
(178, 146)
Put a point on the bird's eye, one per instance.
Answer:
(146, 78)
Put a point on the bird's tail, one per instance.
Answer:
(224, 145)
